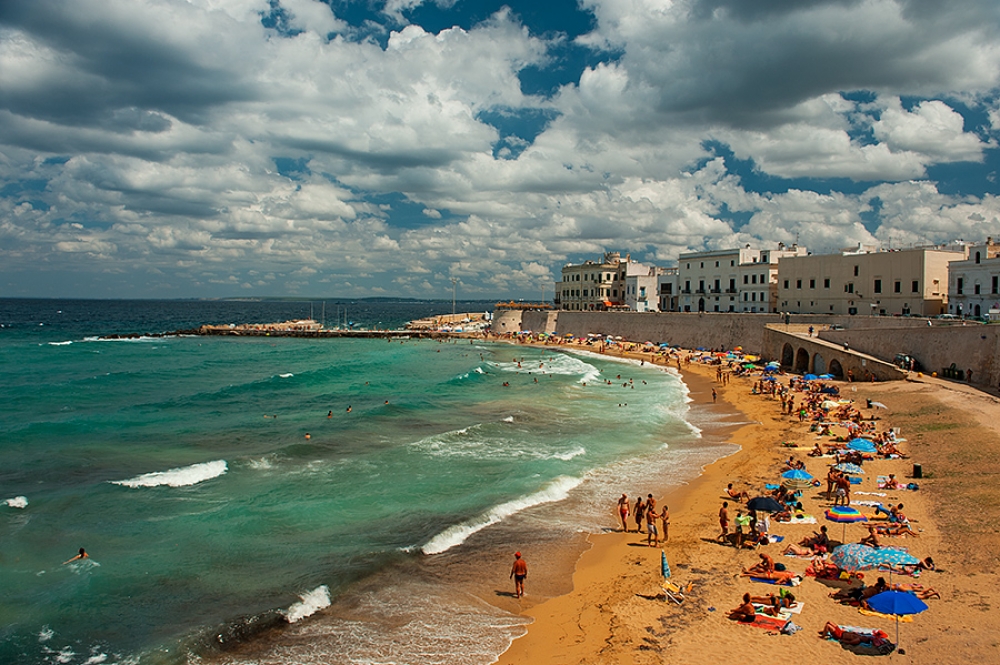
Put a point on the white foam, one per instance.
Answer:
(287, 375)
(60, 343)
(508, 419)
(567, 456)
(180, 477)
(46, 634)
(96, 659)
(557, 490)
(309, 604)
(17, 502)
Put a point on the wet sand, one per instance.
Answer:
(616, 612)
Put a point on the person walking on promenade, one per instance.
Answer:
(518, 572)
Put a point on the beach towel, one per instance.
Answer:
(905, 618)
(785, 612)
(872, 494)
(855, 502)
(766, 622)
(805, 519)
(791, 581)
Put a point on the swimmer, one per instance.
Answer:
(82, 555)
(348, 409)
(308, 436)
(328, 415)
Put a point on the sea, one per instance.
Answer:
(297, 501)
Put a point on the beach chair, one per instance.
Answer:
(675, 593)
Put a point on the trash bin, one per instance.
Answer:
(918, 471)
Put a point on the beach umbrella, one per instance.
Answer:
(829, 404)
(826, 377)
(879, 405)
(862, 445)
(764, 504)
(892, 556)
(897, 603)
(664, 566)
(845, 514)
(851, 557)
(809, 377)
(850, 469)
(797, 474)
(769, 378)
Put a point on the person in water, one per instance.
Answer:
(82, 555)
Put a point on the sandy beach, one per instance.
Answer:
(617, 613)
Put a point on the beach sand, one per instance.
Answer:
(616, 612)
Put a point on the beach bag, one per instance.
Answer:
(790, 628)
(912, 486)
(779, 566)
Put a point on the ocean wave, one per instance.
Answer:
(557, 490)
(309, 604)
(570, 454)
(180, 477)
(17, 502)
(67, 343)
(287, 375)
(508, 419)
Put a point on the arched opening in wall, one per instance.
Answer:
(836, 369)
(819, 365)
(802, 361)
(701, 304)
(978, 311)
(787, 355)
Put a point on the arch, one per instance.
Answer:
(819, 365)
(836, 369)
(978, 311)
(787, 356)
(701, 304)
(801, 361)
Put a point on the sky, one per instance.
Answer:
(360, 148)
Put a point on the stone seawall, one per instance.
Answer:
(936, 346)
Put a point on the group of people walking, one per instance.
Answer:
(645, 512)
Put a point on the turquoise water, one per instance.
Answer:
(277, 496)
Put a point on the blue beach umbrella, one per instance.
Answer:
(797, 474)
(862, 445)
(826, 377)
(897, 603)
(891, 556)
(664, 566)
(850, 469)
(810, 377)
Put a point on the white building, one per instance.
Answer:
(974, 283)
(731, 280)
(868, 282)
(613, 283)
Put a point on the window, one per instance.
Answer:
(753, 296)
(975, 288)
(689, 266)
(878, 286)
(702, 264)
(687, 285)
(961, 286)
(717, 287)
(897, 287)
(798, 283)
(786, 283)
(732, 264)
(826, 282)
(916, 286)
(701, 286)
(996, 284)
(977, 257)
(716, 264)
(849, 287)
(753, 279)
(763, 280)
(732, 285)
(746, 279)
(812, 283)
(855, 271)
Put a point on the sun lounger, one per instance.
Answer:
(675, 593)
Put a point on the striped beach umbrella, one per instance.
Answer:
(845, 514)
(852, 557)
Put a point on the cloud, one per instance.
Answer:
(143, 136)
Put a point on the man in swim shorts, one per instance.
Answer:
(518, 572)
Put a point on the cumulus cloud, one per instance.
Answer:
(204, 145)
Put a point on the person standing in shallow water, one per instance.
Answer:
(623, 511)
(518, 572)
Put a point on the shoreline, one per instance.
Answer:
(616, 612)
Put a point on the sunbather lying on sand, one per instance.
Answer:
(894, 530)
(801, 550)
(736, 494)
(876, 637)
(919, 590)
(775, 602)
